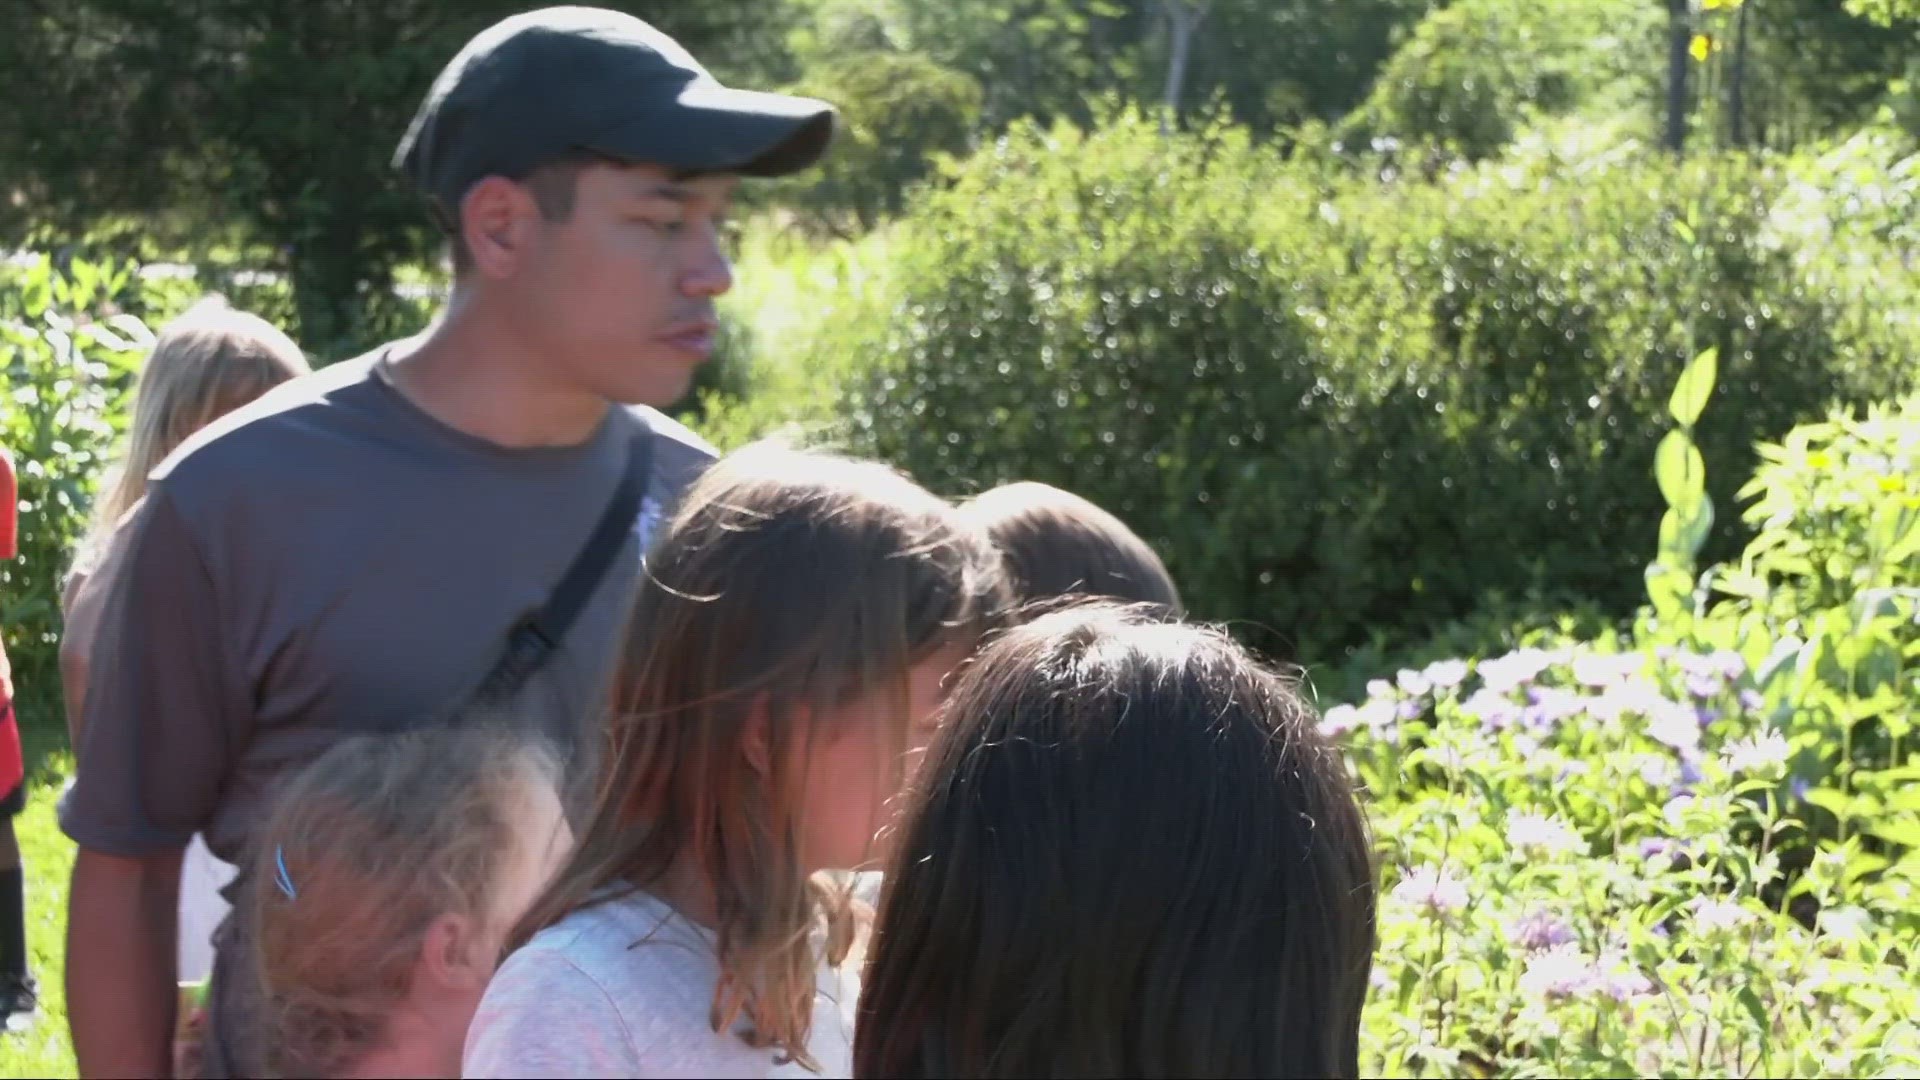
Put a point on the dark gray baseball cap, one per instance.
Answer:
(535, 87)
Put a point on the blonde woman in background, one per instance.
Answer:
(207, 363)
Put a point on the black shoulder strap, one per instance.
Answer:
(533, 639)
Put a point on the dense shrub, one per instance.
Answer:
(1473, 73)
(897, 111)
(1335, 405)
(1692, 850)
(69, 353)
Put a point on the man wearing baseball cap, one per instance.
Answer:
(454, 518)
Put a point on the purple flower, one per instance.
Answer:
(1760, 753)
(1513, 670)
(1377, 714)
(1379, 688)
(1339, 720)
(1557, 973)
(1705, 716)
(1620, 980)
(1636, 695)
(1658, 770)
(1689, 768)
(1706, 686)
(1540, 835)
(1717, 916)
(1675, 726)
(1433, 890)
(1731, 665)
(1446, 674)
(1539, 930)
(1658, 847)
(1799, 786)
(1494, 711)
(1606, 669)
(1409, 709)
(1550, 706)
(1752, 700)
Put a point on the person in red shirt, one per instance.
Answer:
(19, 998)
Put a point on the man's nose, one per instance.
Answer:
(709, 272)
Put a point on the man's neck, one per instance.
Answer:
(472, 373)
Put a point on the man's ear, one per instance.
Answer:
(450, 954)
(498, 219)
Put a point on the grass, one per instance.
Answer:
(48, 855)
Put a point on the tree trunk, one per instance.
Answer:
(1183, 20)
(1737, 94)
(1679, 38)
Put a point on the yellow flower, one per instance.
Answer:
(1702, 45)
(1819, 459)
(1714, 5)
(1892, 483)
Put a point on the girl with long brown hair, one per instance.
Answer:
(1128, 853)
(792, 635)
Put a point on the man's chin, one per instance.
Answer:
(662, 390)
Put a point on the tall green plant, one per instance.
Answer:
(69, 365)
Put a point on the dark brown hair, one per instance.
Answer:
(788, 582)
(1057, 544)
(1128, 853)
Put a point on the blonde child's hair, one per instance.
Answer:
(788, 583)
(379, 837)
(1057, 544)
(207, 363)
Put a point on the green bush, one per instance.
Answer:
(1691, 850)
(70, 354)
(1338, 406)
(898, 110)
(1472, 74)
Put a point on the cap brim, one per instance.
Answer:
(710, 128)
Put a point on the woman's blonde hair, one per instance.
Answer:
(207, 363)
(788, 583)
(379, 837)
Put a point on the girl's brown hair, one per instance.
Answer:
(1057, 544)
(207, 363)
(379, 837)
(788, 583)
(1128, 853)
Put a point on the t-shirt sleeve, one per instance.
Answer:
(166, 710)
(543, 1016)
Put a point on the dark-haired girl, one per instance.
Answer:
(1128, 853)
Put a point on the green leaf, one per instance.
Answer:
(1696, 385)
(1832, 800)
(1758, 1010)
(1668, 589)
(1679, 469)
(1682, 534)
(1904, 832)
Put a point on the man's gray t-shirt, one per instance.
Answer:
(333, 560)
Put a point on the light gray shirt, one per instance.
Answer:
(624, 988)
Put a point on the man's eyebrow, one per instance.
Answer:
(682, 192)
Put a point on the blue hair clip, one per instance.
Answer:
(280, 875)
